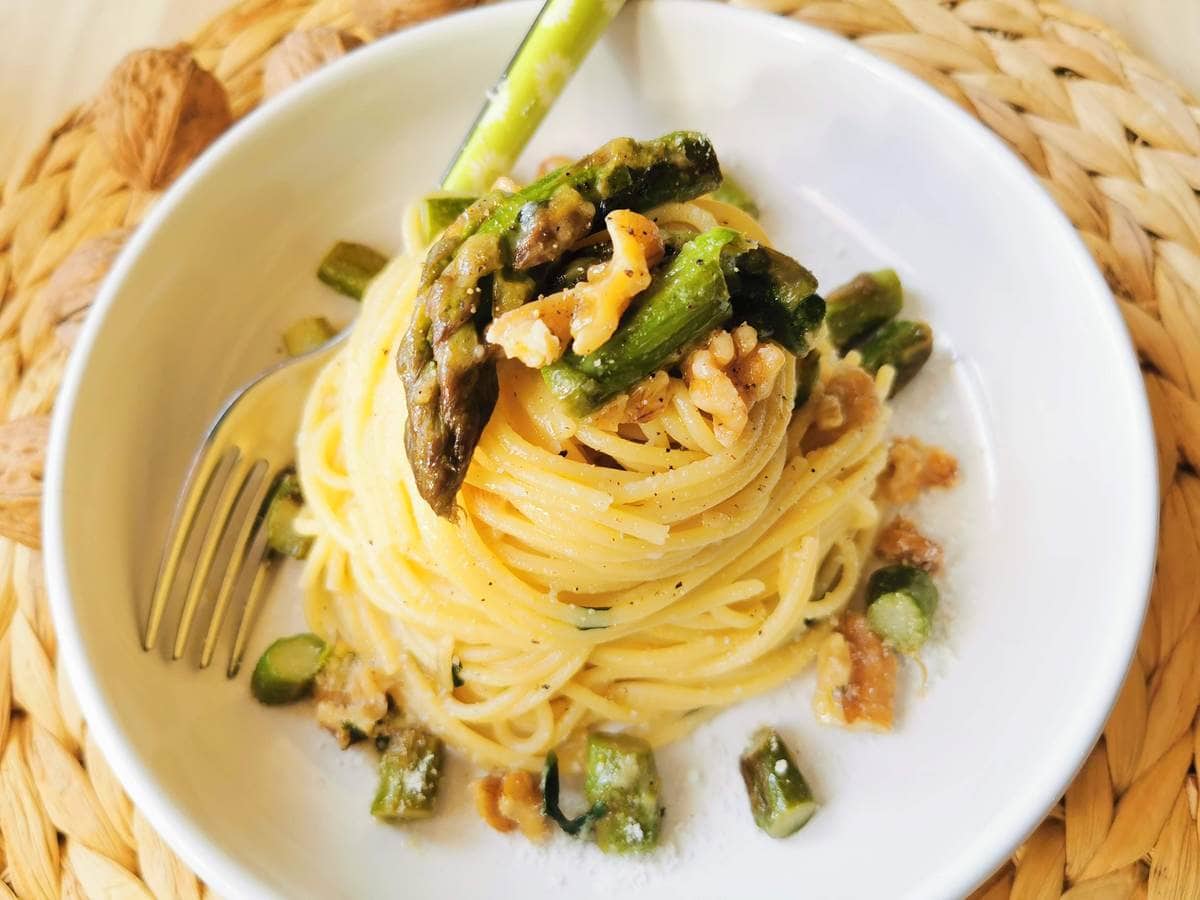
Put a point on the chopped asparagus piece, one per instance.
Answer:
(685, 301)
(307, 334)
(550, 807)
(780, 798)
(286, 670)
(903, 345)
(437, 211)
(808, 367)
(901, 602)
(775, 294)
(348, 268)
(283, 505)
(409, 772)
(735, 195)
(621, 774)
(862, 305)
(449, 377)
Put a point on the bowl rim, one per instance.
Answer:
(227, 874)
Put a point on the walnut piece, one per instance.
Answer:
(914, 466)
(511, 801)
(350, 698)
(157, 112)
(384, 16)
(848, 400)
(727, 376)
(302, 53)
(901, 542)
(537, 333)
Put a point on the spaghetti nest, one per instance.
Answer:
(643, 574)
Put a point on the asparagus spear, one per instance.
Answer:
(449, 378)
(284, 504)
(862, 305)
(685, 301)
(775, 294)
(901, 601)
(901, 344)
(307, 334)
(779, 796)
(287, 669)
(621, 774)
(409, 772)
(348, 268)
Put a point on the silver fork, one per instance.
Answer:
(249, 445)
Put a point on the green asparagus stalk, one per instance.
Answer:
(304, 335)
(734, 194)
(449, 378)
(409, 773)
(862, 305)
(283, 506)
(685, 301)
(901, 602)
(775, 294)
(348, 268)
(557, 43)
(287, 669)
(437, 211)
(780, 798)
(903, 345)
(808, 367)
(621, 775)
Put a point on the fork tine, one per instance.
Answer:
(250, 585)
(207, 471)
(217, 527)
(250, 502)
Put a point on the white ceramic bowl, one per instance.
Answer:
(1051, 534)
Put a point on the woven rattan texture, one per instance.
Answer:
(1114, 140)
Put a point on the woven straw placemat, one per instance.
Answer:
(1114, 140)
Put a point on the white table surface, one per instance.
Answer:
(57, 52)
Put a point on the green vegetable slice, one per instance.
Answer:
(283, 506)
(307, 334)
(437, 211)
(901, 602)
(904, 345)
(286, 670)
(621, 775)
(410, 771)
(861, 305)
(348, 268)
(780, 798)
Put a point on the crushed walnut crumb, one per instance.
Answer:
(511, 801)
(848, 400)
(901, 542)
(912, 467)
(729, 374)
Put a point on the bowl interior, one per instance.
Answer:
(856, 166)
